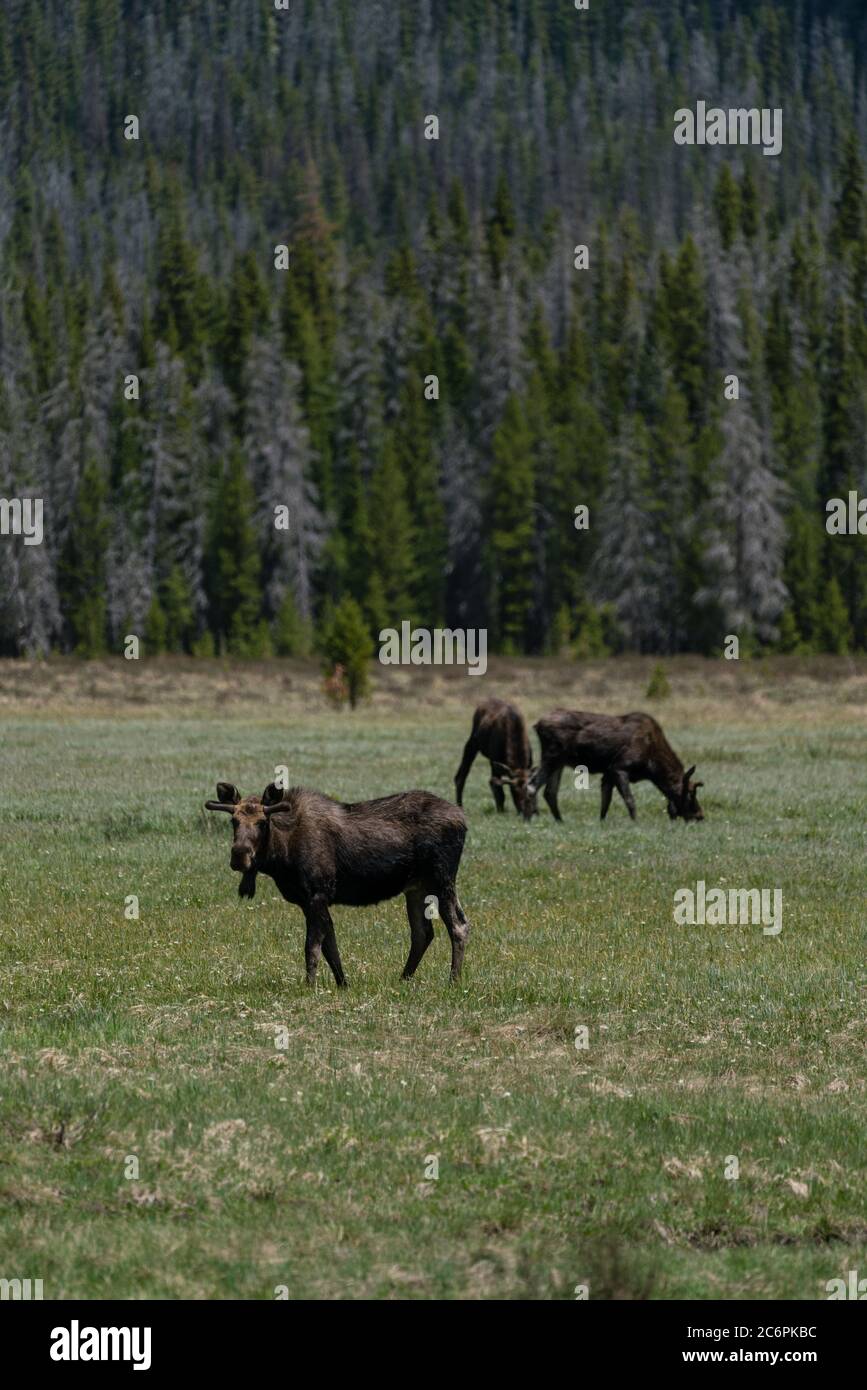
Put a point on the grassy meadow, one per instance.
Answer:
(156, 1142)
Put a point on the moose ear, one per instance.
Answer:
(687, 775)
(271, 795)
(229, 797)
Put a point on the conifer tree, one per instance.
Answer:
(279, 457)
(512, 528)
(81, 568)
(152, 262)
(178, 611)
(749, 205)
(348, 644)
(683, 324)
(834, 632)
(501, 226)
(627, 572)
(393, 541)
(177, 320)
(234, 563)
(415, 458)
(848, 226)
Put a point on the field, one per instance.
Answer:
(155, 1141)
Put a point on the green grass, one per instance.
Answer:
(304, 1167)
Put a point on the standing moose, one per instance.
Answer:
(499, 733)
(625, 748)
(321, 852)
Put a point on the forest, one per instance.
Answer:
(275, 358)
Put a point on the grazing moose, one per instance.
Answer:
(499, 733)
(321, 852)
(625, 748)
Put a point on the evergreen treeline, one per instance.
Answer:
(408, 258)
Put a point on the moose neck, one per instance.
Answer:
(667, 774)
(265, 858)
(272, 858)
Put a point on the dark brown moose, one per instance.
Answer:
(499, 733)
(321, 852)
(625, 748)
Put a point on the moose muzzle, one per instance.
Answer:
(241, 858)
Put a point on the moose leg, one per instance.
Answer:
(457, 927)
(621, 779)
(320, 936)
(497, 790)
(552, 786)
(607, 792)
(498, 794)
(546, 771)
(470, 751)
(332, 955)
(421, 932)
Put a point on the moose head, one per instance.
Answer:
(520, 779)
(250, 816)
(684, 802)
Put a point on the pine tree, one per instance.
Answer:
(834, 633)
(848, 226)
(628, 568)
(292, 636)
(172, 468)
(155, 260)
(234, 563)
(501, 226)
(308, 321)
(393, 542)
(155, 633)
(512, 527)
(744, 555)
(591, 644)
(177, 319)
(348, 644)
(81, 568)
(413, 433)
(245, 314)
(790, 638)
(178, 611)
(277, 448)
(683, 323)
(749, 205)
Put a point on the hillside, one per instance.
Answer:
(165, 386)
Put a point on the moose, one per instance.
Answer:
(322, 852)
(624, 748)
(499, 733)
